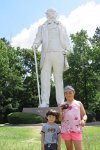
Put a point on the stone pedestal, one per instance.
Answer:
(40, 111)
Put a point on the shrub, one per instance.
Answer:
(24, 118)
(94, 110)
(1, 118)
(98, 115)
(91, 116)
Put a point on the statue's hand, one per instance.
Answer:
(34, 46)
(65, 52)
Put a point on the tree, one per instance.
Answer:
(29, 96)
(81, 75)
(95, 64)
(10, 78)
(95, 54)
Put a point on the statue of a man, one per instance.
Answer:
(55, 45)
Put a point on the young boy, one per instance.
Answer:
(50, 133)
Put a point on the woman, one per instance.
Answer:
(73, 117)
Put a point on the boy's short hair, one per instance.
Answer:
(53, 113)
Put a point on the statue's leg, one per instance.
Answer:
(58, 67)
(45, 82)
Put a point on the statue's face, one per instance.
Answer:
(51, 14)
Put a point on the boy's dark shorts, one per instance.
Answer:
(52, 146)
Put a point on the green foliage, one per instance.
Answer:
(95, 65)
(10, 79)
(18, 85)
(24, 118)
(82, 75)
(95, 106)
(91, 116)
(29, 94)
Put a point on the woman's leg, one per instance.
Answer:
(78, 145)
(69, 145)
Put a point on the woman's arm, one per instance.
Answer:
(83, 115)
(61, 113)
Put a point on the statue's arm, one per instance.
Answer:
(66, 39)
(38, 39)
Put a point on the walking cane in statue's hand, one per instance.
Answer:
(36, 68)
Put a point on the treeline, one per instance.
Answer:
(18, 85)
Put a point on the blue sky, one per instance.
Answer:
(16, 15)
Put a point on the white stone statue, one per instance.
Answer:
(55, 47)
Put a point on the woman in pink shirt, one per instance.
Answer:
(73, 117)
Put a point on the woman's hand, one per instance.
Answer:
(82, 123)
(61, 113)
(60, 109)
(59, 148)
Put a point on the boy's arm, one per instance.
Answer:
(83, 114)
(59, 142)
(42, 141)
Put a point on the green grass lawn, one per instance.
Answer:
(28, 138)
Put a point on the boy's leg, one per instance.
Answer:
(69, 145)
(78, 145)
(51, 146)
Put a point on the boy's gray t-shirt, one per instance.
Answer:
(51, 132)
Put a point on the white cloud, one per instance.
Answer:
(83, 17)
(26, 37)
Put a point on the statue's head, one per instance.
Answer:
(51, 13)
